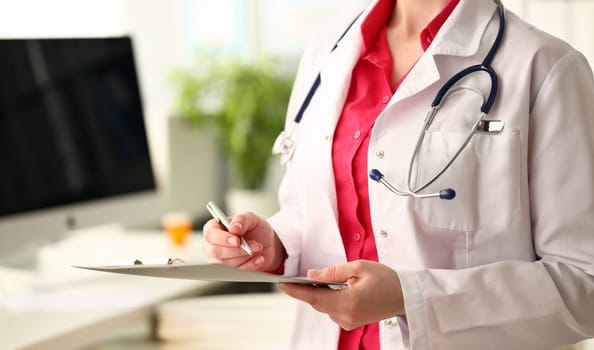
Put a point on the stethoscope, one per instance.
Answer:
(285, 143)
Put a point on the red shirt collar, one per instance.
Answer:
(375, 22)
(428, 34)
(378, 16)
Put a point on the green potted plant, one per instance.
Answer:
(244, 103)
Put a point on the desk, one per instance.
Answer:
(71, 312)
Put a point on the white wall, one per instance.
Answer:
(570, 20)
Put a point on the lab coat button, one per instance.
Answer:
(357, 134)
(379, 154)
(384, 233)
(386, 99)
(357, 237)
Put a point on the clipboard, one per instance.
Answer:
(177, 268)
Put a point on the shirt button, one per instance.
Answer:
(357, 134)
(385, 99)
(357, 237)
(384, 233)
(388, 322)
(379, 154)
(328, 137)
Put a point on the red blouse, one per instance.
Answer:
(369, 93)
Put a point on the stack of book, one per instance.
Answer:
(233, 321)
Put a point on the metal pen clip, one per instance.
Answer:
(169, 261)
(218, 214)
(490, 126)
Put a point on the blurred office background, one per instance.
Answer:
(167, 34)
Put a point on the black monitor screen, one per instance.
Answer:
(71, 123)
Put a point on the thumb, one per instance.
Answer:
(336, 273)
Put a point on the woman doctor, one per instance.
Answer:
(508, 263)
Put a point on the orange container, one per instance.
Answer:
(177, 227)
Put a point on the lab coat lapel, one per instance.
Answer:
(463, 31)
(423, 75)
(335, 75)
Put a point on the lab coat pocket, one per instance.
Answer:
(485, 176)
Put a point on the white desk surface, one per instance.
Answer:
(63, 308)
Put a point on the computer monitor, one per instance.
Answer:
(73, 144)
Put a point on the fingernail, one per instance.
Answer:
(233, 241)
(237, 224)
(256, 247)
(259, 260)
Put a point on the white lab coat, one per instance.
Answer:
(508, 264)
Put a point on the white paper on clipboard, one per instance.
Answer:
(206, 272)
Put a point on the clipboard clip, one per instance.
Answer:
(169, 261)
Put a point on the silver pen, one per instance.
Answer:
(218, 214)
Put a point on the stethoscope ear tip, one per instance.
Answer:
(447, 193)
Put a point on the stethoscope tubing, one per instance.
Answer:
(285, 144)
(316, 84)
(486, 106)
(485, 67)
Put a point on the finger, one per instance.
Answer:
(254, 263)
(215, 233)
(245, 261)
(337, 273)
(224, 252)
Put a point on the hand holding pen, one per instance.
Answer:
(226, 241)
(218, 214)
